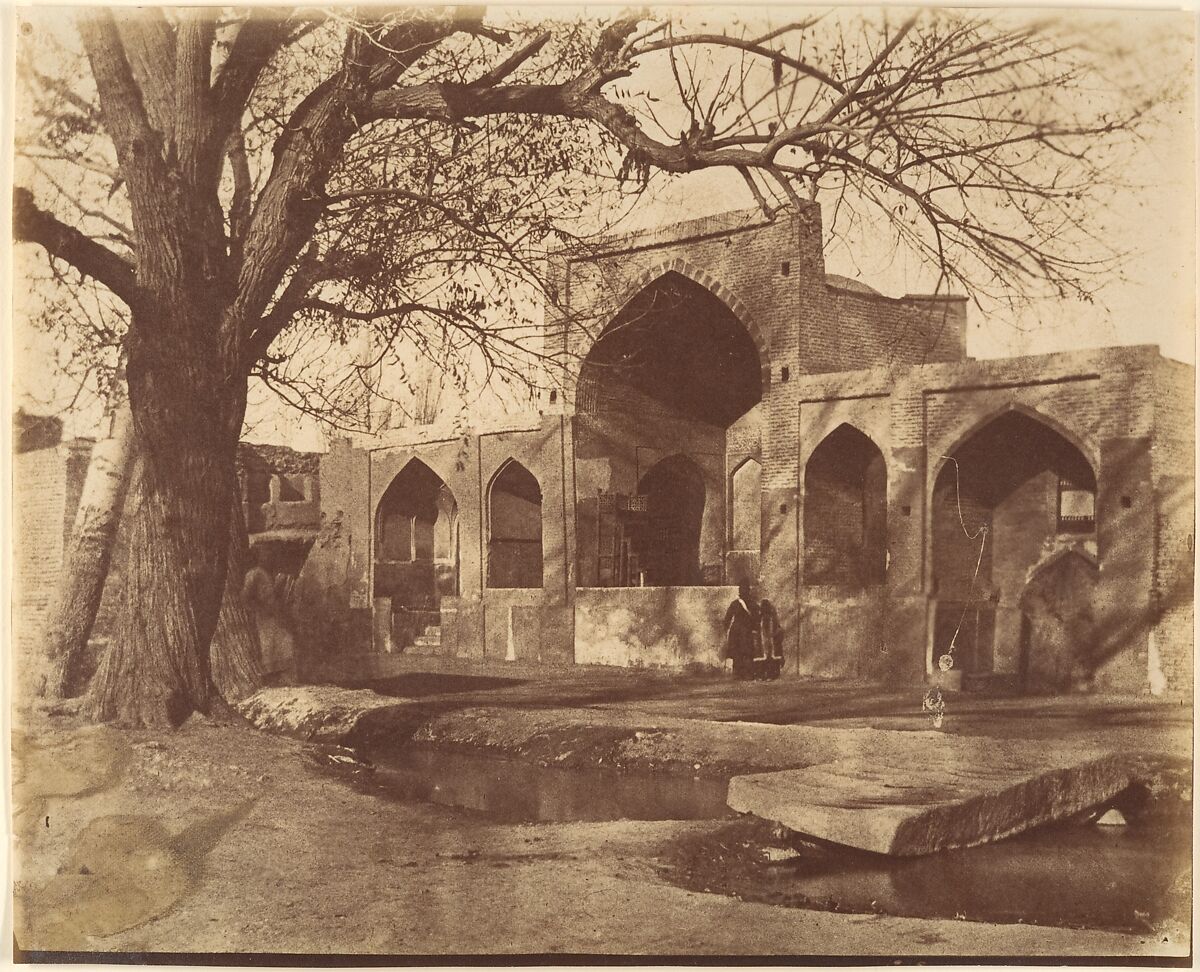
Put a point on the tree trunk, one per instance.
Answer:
(236, 671)
(85, 569)
(157, 672)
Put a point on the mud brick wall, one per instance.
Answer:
(1106, 404)
(479, 621)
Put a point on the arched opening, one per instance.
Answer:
(668, 376)
(845, 512)
(416, 547)
(664, 541)
(1058, 632)
(677, 346)
(1011, 495)
(745, 503)
(514, 528)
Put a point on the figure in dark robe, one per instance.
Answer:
(741, 632)
(769, 662)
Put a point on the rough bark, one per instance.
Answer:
(85, 569)
(235, 652)
(157, 670)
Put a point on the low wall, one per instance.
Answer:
(865, 635)
(650, 627)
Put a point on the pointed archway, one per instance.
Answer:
(845, 512)
(416, 543)
(1011, 494)
(514, 548)
(671, 373)
(666, 542)
(679, 346)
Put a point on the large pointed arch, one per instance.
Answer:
(700, 276)
(1085, 447)
(677, 345)
(514, 525)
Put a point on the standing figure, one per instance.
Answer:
(769, 662)
(741, 632)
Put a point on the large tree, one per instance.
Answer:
(274, 172)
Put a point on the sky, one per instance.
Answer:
(1151, 302)
(1155, 301)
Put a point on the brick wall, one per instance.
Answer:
(1173, 458)
(616, 445)
(881, 331)
(831, 352)
(39, 514)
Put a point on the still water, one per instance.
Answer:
(512, 791)
(1084, 876)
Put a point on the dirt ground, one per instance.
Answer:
(220, 839)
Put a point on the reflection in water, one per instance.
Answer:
(1119, 878)
(511, 791)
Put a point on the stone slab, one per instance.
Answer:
(907, 794)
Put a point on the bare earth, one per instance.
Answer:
(219, 838)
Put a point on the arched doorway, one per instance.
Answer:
(1010, 496)
(1058, 632)
(514, 528)
(845, 512)
(416, 549)
(665, 541)
(669, 376)
(680, 346)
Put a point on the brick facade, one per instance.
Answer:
(829, 353)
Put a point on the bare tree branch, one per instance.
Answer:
(34, 225)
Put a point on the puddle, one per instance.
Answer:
(511, 791)
(1127, 879)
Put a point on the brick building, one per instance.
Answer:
(280, 501)
(734, 413)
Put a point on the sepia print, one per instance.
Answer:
(699, 484)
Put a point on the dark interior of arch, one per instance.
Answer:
(679, 344)
(407, 513)
(845, 511)
(1008, 452)
(666, 541)
(415, 553)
